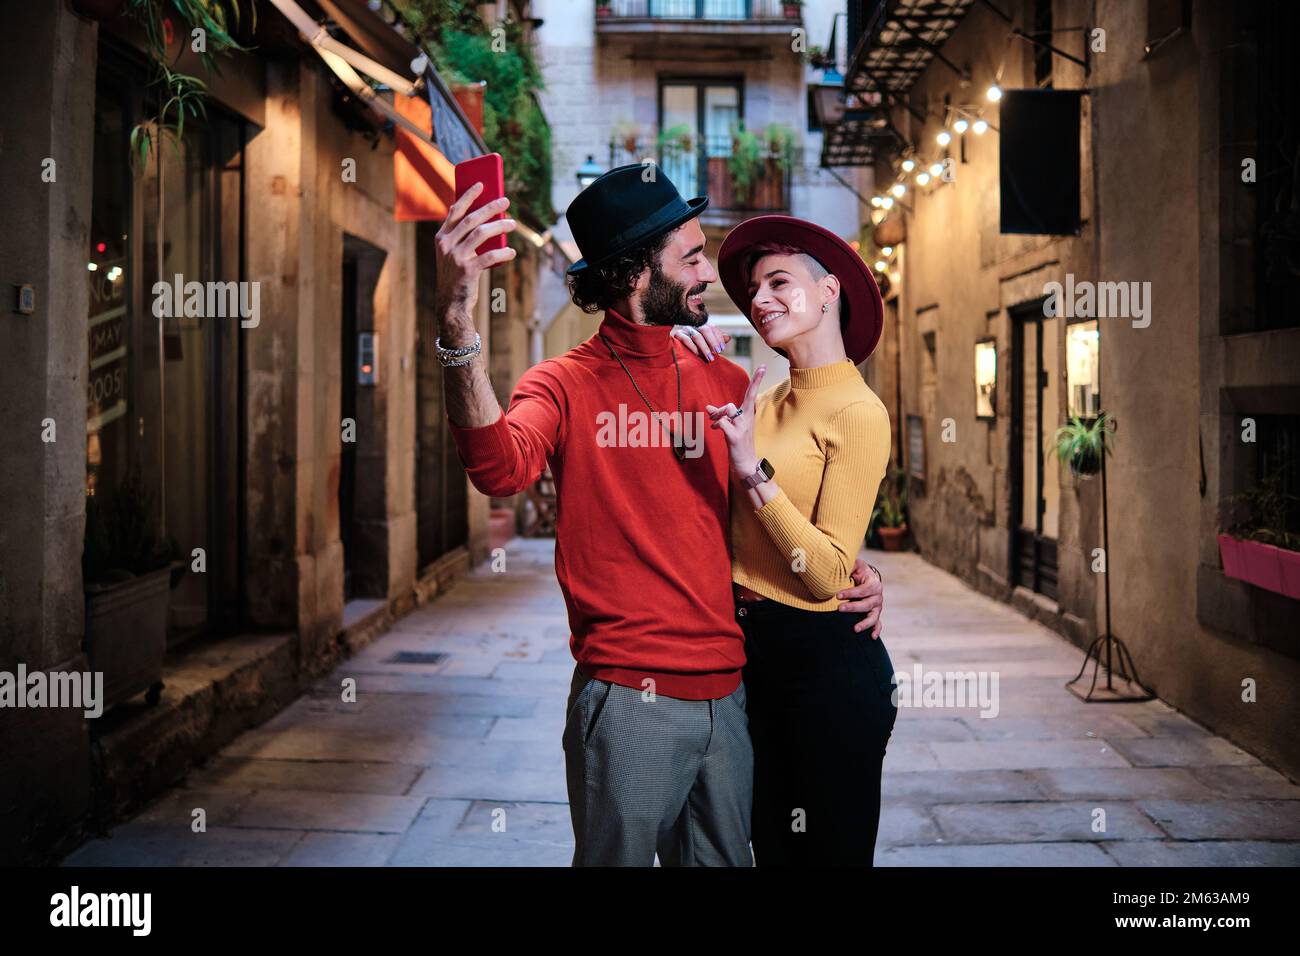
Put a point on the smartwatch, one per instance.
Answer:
(762, 473)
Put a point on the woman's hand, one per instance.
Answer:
(705, 341)
(738, 427)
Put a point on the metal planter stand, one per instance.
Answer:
(1125, 687)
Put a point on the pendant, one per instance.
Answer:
(679, 448)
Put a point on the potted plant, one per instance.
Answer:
(891, 512)
(602, 9)
(781, 145)
(745, 164)
(127, 573)
(1082, 442)
(791, 9)
(676, 141)
(179, 94)
(628, 134)
(1256, 545)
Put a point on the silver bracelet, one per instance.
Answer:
(456, 357)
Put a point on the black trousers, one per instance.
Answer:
(821, 712)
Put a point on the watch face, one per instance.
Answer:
(766, 468)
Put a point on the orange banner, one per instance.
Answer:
(424, 180)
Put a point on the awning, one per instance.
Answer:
(432, 134)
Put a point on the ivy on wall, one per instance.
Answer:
(467, 50)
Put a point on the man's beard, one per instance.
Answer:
(664, 301)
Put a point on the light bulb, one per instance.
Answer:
(898, 189)
(960, 126)
(881, 265)
(922, 178)
(980, 127)
(888, 250)
(909, 165)
(944, 137)
(995, 93)
(936, 170)
(887, 202)
(91, 266)
(875, 201)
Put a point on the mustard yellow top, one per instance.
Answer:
(827, 435)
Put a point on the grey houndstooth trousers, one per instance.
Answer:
(658, 775)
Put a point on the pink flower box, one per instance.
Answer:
(1263, 565)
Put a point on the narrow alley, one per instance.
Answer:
(450, 754)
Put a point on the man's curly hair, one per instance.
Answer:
(596, 288)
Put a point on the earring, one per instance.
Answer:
(825, 306)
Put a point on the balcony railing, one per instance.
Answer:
(705, 169)
(700, 10)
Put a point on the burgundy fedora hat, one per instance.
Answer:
(862, 313)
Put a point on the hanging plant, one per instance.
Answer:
(180, 94)
(1082, 443)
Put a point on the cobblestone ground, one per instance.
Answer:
(437, 756)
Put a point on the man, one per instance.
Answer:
(657, 751)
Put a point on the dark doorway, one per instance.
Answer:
(362, 463)
(1035, 469)
(442, 500)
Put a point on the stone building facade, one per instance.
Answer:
(1172, 110)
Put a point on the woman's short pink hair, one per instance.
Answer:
(783, 249)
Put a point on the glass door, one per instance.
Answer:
(1035, 475)
(696, 119)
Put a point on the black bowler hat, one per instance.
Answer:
(625, 208)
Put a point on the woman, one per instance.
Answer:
(819, 693)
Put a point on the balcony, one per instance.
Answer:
(707, 168)
(697, 22)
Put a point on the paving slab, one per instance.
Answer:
(458, 761)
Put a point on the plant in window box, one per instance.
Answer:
(1081, 443)
(889, 517)
(128, 570)
(1257, 546)
(791, 9)
(602, 8)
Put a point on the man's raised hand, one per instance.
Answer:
(459, 266)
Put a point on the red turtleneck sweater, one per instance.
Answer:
(642, 544)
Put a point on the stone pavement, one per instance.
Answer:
(455, 760)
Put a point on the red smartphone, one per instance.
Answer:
(489, 171)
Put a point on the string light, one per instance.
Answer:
(994, 93)
(960, 126)
(887, 203)
(980, 127)
(909, 165)
(898, 189)
(881, 265)
(922, 178)
(936, 170)
(875, 201)
(888, 250)
(944, 137)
